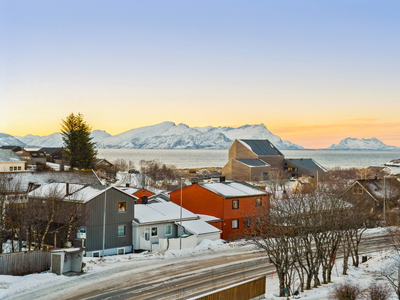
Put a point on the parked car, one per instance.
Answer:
(133, 171)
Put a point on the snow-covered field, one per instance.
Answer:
(13, 286)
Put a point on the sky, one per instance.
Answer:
(314, 72)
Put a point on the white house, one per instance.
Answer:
(11, 162)
(157, 226)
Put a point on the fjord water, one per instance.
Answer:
(218, 158)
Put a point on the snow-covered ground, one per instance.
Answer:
(12, 286)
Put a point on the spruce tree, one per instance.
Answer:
(78, 146)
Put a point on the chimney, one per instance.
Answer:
(67, 189)
(127, 184)
(222, 179)
(144, 200)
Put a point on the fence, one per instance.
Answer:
(23, 263)
(250, 289)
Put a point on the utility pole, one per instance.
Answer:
(180, 236)
(104, 220)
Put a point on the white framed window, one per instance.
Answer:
(121, 230)
(154, 231)
(147, 234)
(120, 251)
(235, 224)
(11, 168)
(19, 168)
(168, 229)
(96, 254)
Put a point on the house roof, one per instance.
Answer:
(376, 188)
(210, 219)
(159, 198)
(7, 155)
(77, 192)
(261, 147)
(38, 153)
(161, 212)
(252, 162)
(24, 179)
(307, 163)
(13, 148)
(50, 150)
(231, 189)
(101, 160)
(198, 227)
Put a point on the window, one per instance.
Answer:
(15, 168)
(246, 222)
(120, 251)
(121, 230)
(258, 221)
(153, 231)
(258, 202)
(168, 229)
(96, 254)
(147, 234)
(265, 176)
(235, 224)
(121, 206)
(19, 168)
(11, 168)
(235, 204)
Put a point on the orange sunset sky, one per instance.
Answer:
(313, 73)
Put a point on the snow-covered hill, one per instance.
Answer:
(168, 135)
(362, 144)
(9, 140)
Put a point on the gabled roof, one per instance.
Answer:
(252, 162)
(232, 189)
(307, 163)
(159, 198)
(37, 153)
(77, 192)
(261, 147)
(50, 150)
(7, 155)
(161, 212)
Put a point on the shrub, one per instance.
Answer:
(346, 291)
(377, 292)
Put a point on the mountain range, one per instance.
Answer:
(168, 135)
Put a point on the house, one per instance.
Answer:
(254, 160)
(137, 192)
(158, 226)
(11, 162)
(374, 191)
(307, 167)
(303, 185)
(33, 156)
(54, 154)
(109, 217)
(104, 167)
(233, 202)
(13, 148)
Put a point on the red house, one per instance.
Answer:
(234, 202)
(137, 192)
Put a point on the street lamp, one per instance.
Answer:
(180, 236)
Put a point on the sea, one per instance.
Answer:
(218, 158)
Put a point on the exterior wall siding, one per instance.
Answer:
(276, 161)
(114, 218)
(139, 230)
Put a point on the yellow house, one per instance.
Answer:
(11, 162)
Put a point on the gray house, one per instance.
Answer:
(110, 212)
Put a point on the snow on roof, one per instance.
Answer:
(252, 162)
(261, 147)
(161, 212)
(198, 227)
(129, 190)
(207, 218)
(233, 189)
(7, 155)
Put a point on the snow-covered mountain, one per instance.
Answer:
(9, 140)
(362, 144)
(55, 139)
(168, 135)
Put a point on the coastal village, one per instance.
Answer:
(106, 211)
